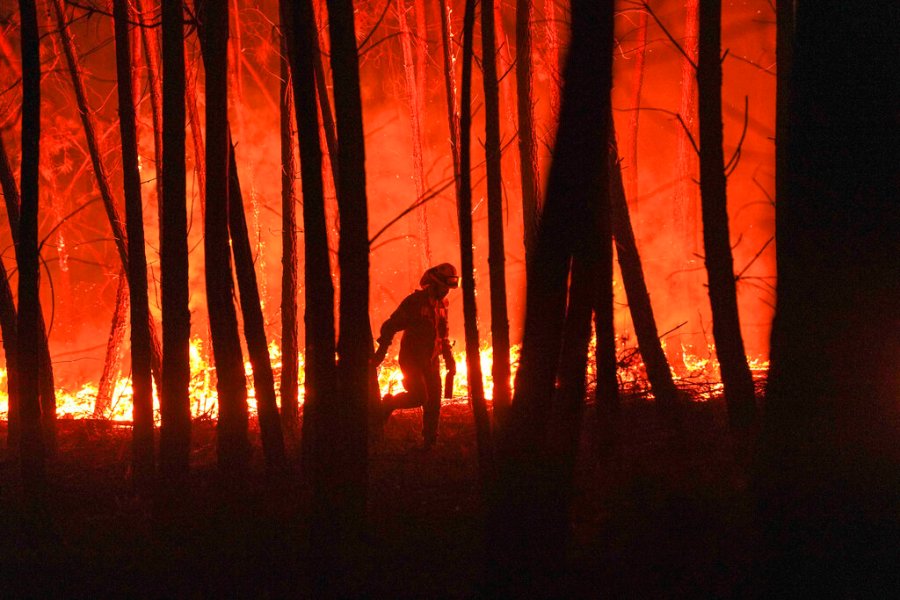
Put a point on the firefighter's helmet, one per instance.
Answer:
(444, 273)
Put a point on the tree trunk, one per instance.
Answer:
(31, 440)
(150, 42)
(530, 170)
(231, 385)
(320, 383)
(829, 480)
(467, 261)
(174, 401)
(290, 341)
(500, 369)
(739, 390)
(632, 180)
(654, 358)
(450, 87)
(107, 383)
(142, 430)
(529, 521)
(254, 322)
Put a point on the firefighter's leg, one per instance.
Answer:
(431, 414)
(414, 384)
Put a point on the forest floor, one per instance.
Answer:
(660, 516)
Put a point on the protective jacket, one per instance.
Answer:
(423, 321)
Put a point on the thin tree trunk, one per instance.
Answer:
(500, 369)
(529, 169)
(193, 116)
(467, 260)
(150, 42)
(631, 181)
(142, 399)
(31, 441)
(254, 322)
(90, 134)
(654, 357)
(450, 87)
(736, 377)
(174, 400)
(106, 385)
(290, 341)
(529, 520)
(231, 385)
(320, 375)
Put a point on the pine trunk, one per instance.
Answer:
(31, 439)
(632, 179)
(174, 400)
(290, 342)
(467, 259)
(142, 399)
(150, 43)
(450, 87)
(739, 390)
(106, 385)
(231, 385)
(529, 521)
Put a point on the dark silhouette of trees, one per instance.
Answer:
(530, 172)
(529, 523)
(464, 214)
(142, 440)
(500, 369)
(31, 440)
(174, 402)
(8, 330)
(739, 389)
(828, 479)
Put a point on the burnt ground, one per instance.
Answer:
(661, 516)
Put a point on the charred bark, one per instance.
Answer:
(174, 401)
(142, 432)
(530, 171)
(500, 369)
(31, 440)
(467, 260)
(320, 375)
(231, 385)
(290, 341)
(739, 389)
(529, 522)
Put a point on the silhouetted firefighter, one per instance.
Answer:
(422, 317)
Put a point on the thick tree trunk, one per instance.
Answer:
(467, 261)
(320, 383)
(530, 170)
(231, 385)
(31, 440)
(829, 480)
(739, 390)
(528, 524)
(142, 431)
(106, 385)
(174, 401)
(654, 357)
(500, 369)
(290, 341)
(254, 322)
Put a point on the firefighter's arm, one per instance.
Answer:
(447, 354)
(396, 322)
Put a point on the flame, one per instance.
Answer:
(701, 376)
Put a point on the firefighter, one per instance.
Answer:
(422, 317)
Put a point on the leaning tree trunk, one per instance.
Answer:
(739, 392)
(31, 440)
(530, 171)
(106, 385)
(320, 382)
(174, 400)
(254, 322)
(47, 388)
(231, 385)
(142, 384)
(652, 353)
(93, 142)
(529, 521)
(467, 260)
(500, 369)
(290, 342)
